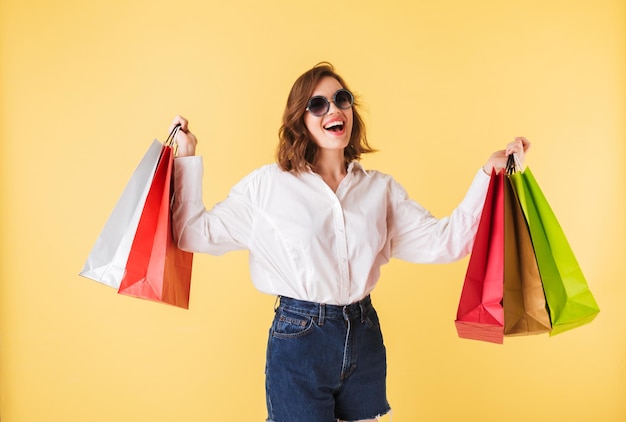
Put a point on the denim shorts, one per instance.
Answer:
(325, 362)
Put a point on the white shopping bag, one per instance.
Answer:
(107, 261)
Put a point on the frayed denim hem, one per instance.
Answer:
(377, 417)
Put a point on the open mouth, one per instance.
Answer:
(336, 126)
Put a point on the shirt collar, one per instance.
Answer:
(356, 166)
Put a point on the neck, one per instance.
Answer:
(332, 168)
(331, 163)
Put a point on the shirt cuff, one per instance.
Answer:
(475, 197)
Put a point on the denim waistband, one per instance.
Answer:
(356, 310)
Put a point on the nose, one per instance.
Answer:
(333, 108)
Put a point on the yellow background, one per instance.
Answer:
(86, 86)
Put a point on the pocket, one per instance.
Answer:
(373, 335)
(289, 324)
(371, 319)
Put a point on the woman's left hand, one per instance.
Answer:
(499, 158)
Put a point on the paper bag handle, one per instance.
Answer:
(513, 164)
(170, 138)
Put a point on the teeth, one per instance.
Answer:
(333, 124)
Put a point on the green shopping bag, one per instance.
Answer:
(569, 299)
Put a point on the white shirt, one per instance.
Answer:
(310, 243)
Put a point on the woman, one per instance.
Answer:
(318, 228)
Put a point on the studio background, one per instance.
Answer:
(86, 86)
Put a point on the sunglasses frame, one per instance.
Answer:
(327, 101)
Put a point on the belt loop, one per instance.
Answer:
(362, 310)
(322, 314)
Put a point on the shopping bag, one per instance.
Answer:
(107, 260)
(570, 302)
(524, 301)
(480, 315)
(156, 268)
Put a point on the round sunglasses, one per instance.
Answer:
(319, 105)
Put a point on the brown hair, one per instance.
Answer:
(296, 149)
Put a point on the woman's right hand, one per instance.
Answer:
(498, 159)
(185, 140)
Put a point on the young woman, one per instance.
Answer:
(318, 227)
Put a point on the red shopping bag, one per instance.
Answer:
(480, 314)
(156, 268)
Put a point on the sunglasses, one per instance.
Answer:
(319, 105)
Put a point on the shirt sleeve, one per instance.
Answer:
(226, 227)
(417, 236)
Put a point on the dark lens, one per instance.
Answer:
(343, 99)
(318, 106)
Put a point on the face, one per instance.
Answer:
(331, 131)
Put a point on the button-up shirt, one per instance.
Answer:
(310, 243)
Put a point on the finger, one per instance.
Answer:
(172, 127)
(180, 120)
(524, 141)
(519, 146)
(512, 148)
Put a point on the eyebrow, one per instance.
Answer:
(322, 95)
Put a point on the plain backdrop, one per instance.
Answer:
(86, 86)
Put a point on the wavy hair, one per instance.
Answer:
(297, 151)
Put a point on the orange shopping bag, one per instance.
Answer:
(156, 268)
(524, 302)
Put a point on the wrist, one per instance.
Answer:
(186, 151)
